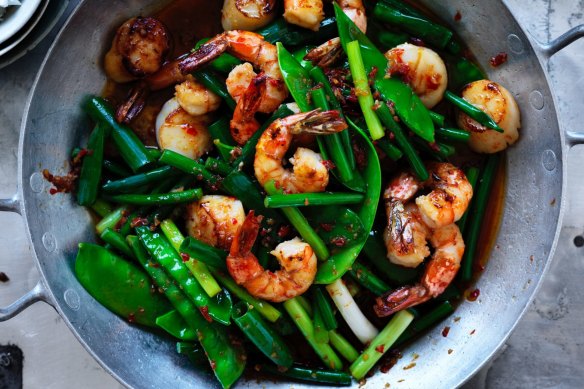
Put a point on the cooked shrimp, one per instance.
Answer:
(247, 46)
(326, 54)
(138, 49)
(422, 69)
(194, 98)
(445, 204)
(247, 14)
(309, 173)
(439, 273)
(215, 220)
(295, 256)
(244, 125)
(304, 13)
(178, 131)
(500, 105)
(355, 10)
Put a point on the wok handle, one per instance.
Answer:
(10, 205)
(550, 48)
(38, 293)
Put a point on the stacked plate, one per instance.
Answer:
(23, 26)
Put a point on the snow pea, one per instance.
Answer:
(173, 323)
(282, 31)
(339, 263)
(296, 77)
(408, 105)
(339, 227)
(119, 285)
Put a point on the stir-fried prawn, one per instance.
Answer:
(326, 54)
(243, 124)
(296, 257)
(309, 173)
(247, 46)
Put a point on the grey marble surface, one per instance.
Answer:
(545, 350)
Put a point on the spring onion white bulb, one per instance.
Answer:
(359, 324)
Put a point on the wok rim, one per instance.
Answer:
(533, 44)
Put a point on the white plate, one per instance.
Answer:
(8, 45)
(16, 17)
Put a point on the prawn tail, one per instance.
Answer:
(133, 104)
(317, 122)
(326, 54)
(246, 235)
(204, 54)
(243, 125)
(400, 299)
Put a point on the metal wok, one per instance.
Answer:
(534, 203)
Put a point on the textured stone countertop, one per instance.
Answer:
(545, 350)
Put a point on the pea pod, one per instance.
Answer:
(338, 264)
(339, 227)
(218, 308)
(408, 105)
(282, 31)
(226, 356)
(173, 323)
(118, 285)
(296, 78)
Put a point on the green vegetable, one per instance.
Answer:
(376, 252)
(343, 346)
(118, 285)
(203, 252)
(305, 325)
(289, 35)
(102, 207)
(453, 134)
(296, 78)
(261, 334)
(337, 378)
(312, 199)
(339, 227)
(215, 85)
(117, 240)
(322, 304)
(320, 332)
(90, 174)
(226, 357)
(224, 63)
(426, 321)
(198, 269)
(362, 89)
(131, 148)
(218, 166)
(173, 323)
(116, 168)
(381, 344)
(218, 307)
(368, 279)
(111, 220)
(408, 105)
(475, 113)
(158, 199)
(187, 165)
(477, 215)
(130, 184)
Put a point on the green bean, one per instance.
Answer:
(312, 199)
(130, 184)
(376, 253)
(472, 175)
(203, 252)
(217, 308)
(413, 158)
(227, 358)
(343, 346)
(306, 327)
(322, 304)
(131, 148)
(422, 323)
(225, 151)
(248, 150)
(90, 174)
(475, 113)
(187, 165)
(263, 307)
(261, 334)
(158, 199)
(282, 31)
(220, 130)
(238, 184)
(117, 241)
(381, 344)
(299, 222)
(154, 152)
(362, 90)
(101, 207)
(437, 118)
(116, 168)
(389, 149)
(215, 85)
(431, 33)
(477, 215)
(336, 378)
(197, 268)
(218, 166)
(111, 220)
(173, 323)
(367, 279)
(452, 134)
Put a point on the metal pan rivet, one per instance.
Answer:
(536, 100)
(549, 160)
(37, 182)
(49, 242)
(72, 299)
(515, 44)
